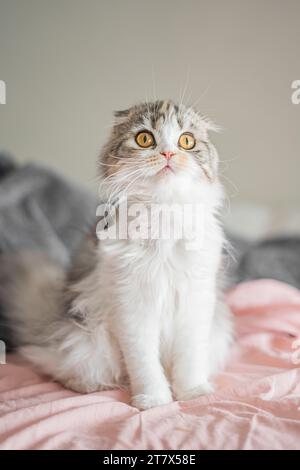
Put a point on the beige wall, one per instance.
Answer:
(68, 63)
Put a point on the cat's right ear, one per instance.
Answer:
(122, 115)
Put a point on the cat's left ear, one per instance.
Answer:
(211, 126)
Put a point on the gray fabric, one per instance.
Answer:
(41, 210)
(277, 258)
(233, 251)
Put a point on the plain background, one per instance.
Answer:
(68, 64)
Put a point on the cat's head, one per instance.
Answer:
(158, 146)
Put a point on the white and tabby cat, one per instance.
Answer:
(143, 313)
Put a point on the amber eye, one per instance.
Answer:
(145, 139)
(187, 141)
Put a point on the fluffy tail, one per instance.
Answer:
(31, 287)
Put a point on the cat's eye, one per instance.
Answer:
(187, 141)
(145, 139)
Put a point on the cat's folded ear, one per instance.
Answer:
(211, 125)
(122, 115)
(207, 124)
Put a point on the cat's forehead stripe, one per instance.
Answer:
(165, 106)
(162, 111)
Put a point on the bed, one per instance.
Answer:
(256, 404)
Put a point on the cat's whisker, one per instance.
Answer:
(115, 165)
(111, 165)
(133, 160)
(123, 170)
(236, 189)
(126, 159)
(117, 187)
(116, 178)
(185, 86)
(197, 101)
(133, 181)
(153, 83)
(229, 160)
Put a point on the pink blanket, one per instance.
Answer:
(256, 404)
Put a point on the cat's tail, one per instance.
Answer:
(31, 296)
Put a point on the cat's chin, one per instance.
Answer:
(171, 180)
(170, 176)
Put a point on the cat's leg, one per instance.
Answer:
(221, 337)
(191, 348)
(137, 328)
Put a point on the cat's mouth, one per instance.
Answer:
(166, 169)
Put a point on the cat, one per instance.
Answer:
(144, 313)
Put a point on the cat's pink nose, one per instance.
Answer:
(168, 155)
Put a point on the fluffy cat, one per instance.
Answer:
(143, 312)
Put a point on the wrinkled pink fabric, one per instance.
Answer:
(256, 404)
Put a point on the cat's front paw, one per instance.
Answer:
(202, 389)
(144, 402)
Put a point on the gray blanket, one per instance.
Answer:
(41, 210)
